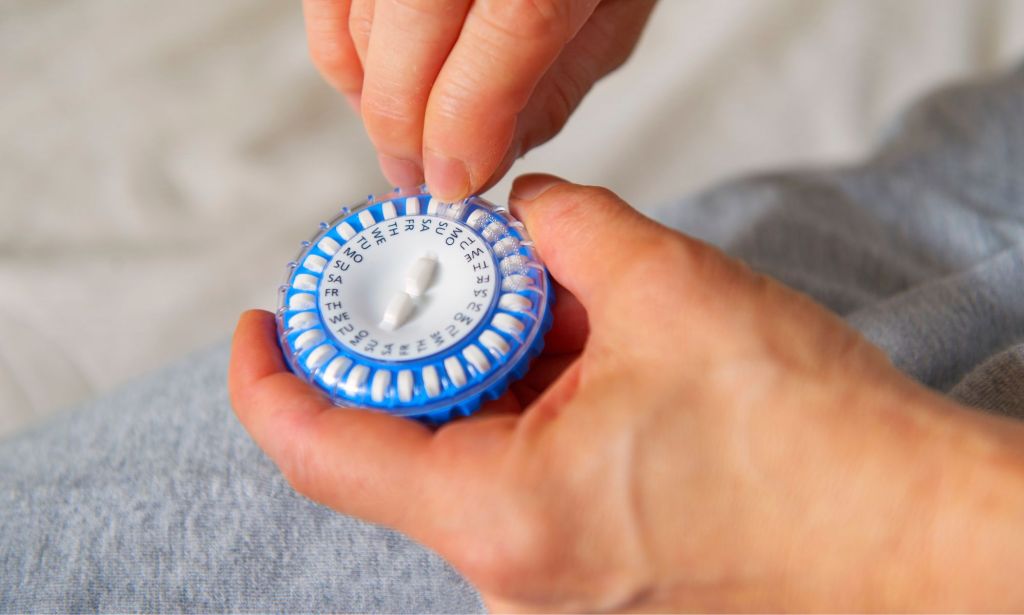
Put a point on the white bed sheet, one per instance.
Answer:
(160, 162)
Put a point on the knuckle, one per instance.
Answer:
(693, 256)
(455, 97)
(420, 7)
(678, 265)
(691, 260)
(387, 116)
(529, 19)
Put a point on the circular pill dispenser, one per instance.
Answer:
(414, 306)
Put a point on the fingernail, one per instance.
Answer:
(447, 178)
(529, 187)
(401, 173)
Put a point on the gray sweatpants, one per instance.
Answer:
(154, 498)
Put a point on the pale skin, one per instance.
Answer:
(696, 436)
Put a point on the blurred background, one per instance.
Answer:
(161, 161)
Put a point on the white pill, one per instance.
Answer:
(356, 379)
(456, 373)
(432, 206)
(514, 303)
(304, 281)
(421, 274)
(379, 388)
(494, 342)
(405, 382)
(477, 218)
(302, 320)
(366, 218)
(308, 339)
(388, 209)
(507, 323)
(455, 210)
(431, 381)
(346, 231)
(328, 245)
(493, 231)
(314, 262)
(412, 206)
(512, 264)
(506, 246)
(320, 355)
(332, 374)
(301, 301)
(397, 312)
(477, 358)
(516, 282)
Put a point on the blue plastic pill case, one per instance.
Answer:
(472, 334)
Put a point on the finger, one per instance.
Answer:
(403, 59)
(602, 45)
(502, 52)
(363, 463)
(360, 26)
(589, 238)
(330, 45)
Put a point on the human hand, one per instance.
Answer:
(714, 441)
(459, 89)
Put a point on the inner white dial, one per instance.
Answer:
(407, 287)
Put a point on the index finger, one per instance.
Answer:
(363, 463)
(502, 52)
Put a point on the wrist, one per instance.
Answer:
(918, 503)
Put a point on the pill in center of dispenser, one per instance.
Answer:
(397, 312)
(421, 275)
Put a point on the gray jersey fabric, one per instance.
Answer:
(921, 247)
(154, 498)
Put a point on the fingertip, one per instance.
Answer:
(448, 178)
(253, 328)
(529, 187)
(254, 317)
(401, 173)
(586, 235)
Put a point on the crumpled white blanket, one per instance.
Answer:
(161, 161)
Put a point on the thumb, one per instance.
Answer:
(588, 237)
